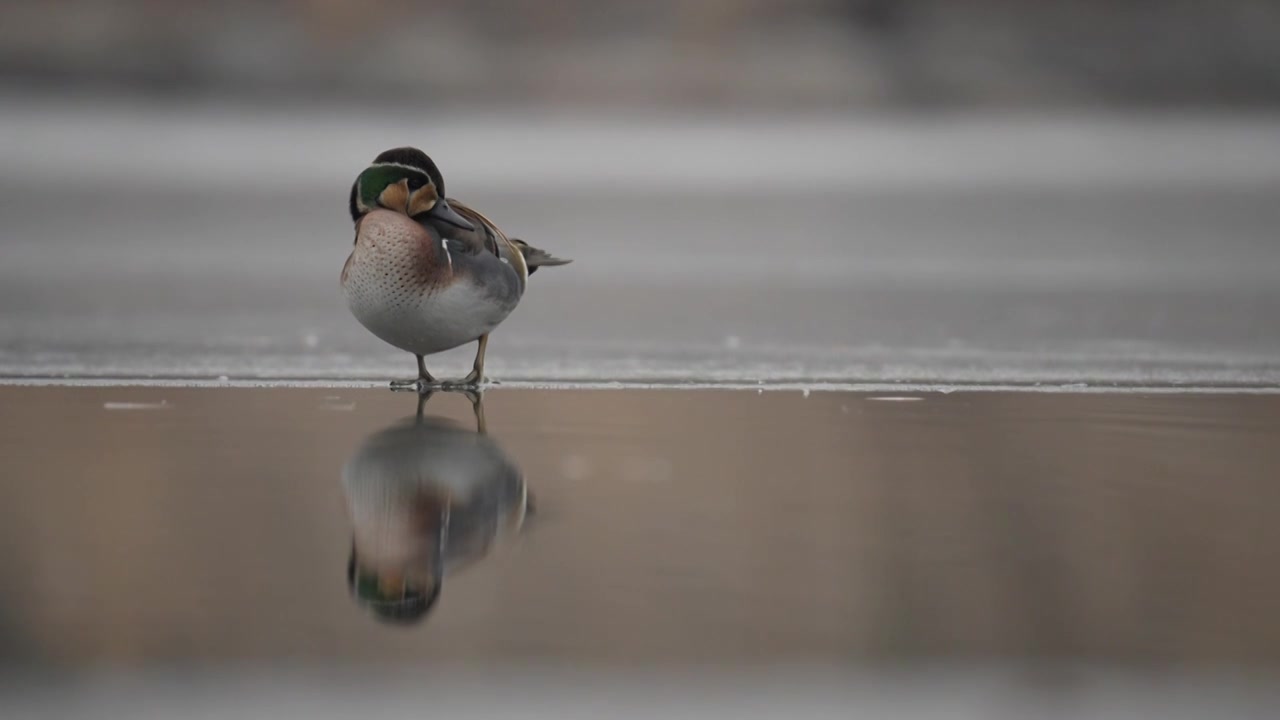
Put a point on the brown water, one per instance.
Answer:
(211, 529)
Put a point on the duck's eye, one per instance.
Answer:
(415, 183)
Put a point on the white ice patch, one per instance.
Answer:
(162, 405)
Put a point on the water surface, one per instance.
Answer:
(212, 530)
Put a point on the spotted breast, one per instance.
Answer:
(420, 292)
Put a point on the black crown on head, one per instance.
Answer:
(415, 158)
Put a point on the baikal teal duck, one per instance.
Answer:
(427, 273)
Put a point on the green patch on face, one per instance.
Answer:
(376, 178)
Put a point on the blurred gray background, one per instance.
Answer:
(914, 190)
(763, 54)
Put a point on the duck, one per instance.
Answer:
(427, 273)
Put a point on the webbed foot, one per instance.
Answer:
(470, 382)
(421, 384)
(418, 385)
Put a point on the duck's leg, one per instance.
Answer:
(477, 368)
(421, 383)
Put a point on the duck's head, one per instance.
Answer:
(397, 597)
(406, 181)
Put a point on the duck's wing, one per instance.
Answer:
(487, 237)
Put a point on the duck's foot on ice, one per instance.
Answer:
(418, 385)
(470, 382)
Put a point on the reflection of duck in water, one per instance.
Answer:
(426, 497)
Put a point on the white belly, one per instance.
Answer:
(417, 321)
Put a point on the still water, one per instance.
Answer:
(212, 530)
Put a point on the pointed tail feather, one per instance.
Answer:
(535, 258)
